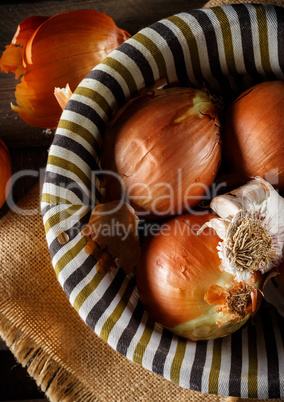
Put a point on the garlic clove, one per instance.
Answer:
(255, 192)
(219, 226)
(225, 205)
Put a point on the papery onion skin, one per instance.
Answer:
(174, 275)
(165, 146)
(11, 60)
(5, 172)
(51, 52)
(253, 133)
(112, 230)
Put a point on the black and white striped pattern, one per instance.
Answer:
(228, 48)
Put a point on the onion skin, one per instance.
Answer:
(112, 236)
(51, 52)
(175, 275)
(165, 146)
(6, 172)
(253, 133)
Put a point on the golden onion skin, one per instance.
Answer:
(253, 133)
(165, 146)
(175, 272)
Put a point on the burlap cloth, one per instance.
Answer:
(66, 358)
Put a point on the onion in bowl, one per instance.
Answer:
(253, 133)
(183, 286)
(163, 151)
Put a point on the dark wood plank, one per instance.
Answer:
(131, 15)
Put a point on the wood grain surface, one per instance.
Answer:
(131, 15)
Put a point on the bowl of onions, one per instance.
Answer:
(166, 176)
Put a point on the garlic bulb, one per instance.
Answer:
(251, 226)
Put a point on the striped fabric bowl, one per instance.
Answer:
(228, 47)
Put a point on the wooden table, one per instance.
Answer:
(29, 145)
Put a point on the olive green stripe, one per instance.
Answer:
(61, 216)
(227, 38)
(81, 132)
(177, 360)
(96, 97)
(263, 38)
(123, 71)
(143, 341)
(53, 199)
(192, 45)
(155, 52)
(87, 290)
(252, 362)
(68, 165)
(69, 256)
(215, 367)
(117, 312)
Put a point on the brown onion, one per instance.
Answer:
(253, 133)
(165, 148)
(182, 285)
(49, 52)
(5, 172)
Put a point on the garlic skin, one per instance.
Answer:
(251, 226)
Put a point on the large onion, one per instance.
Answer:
(183, 287)
(253, 133)
(49, 52)
(165, 148)
(5, 172)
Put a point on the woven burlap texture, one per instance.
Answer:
(65, 357)
(45, 334)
